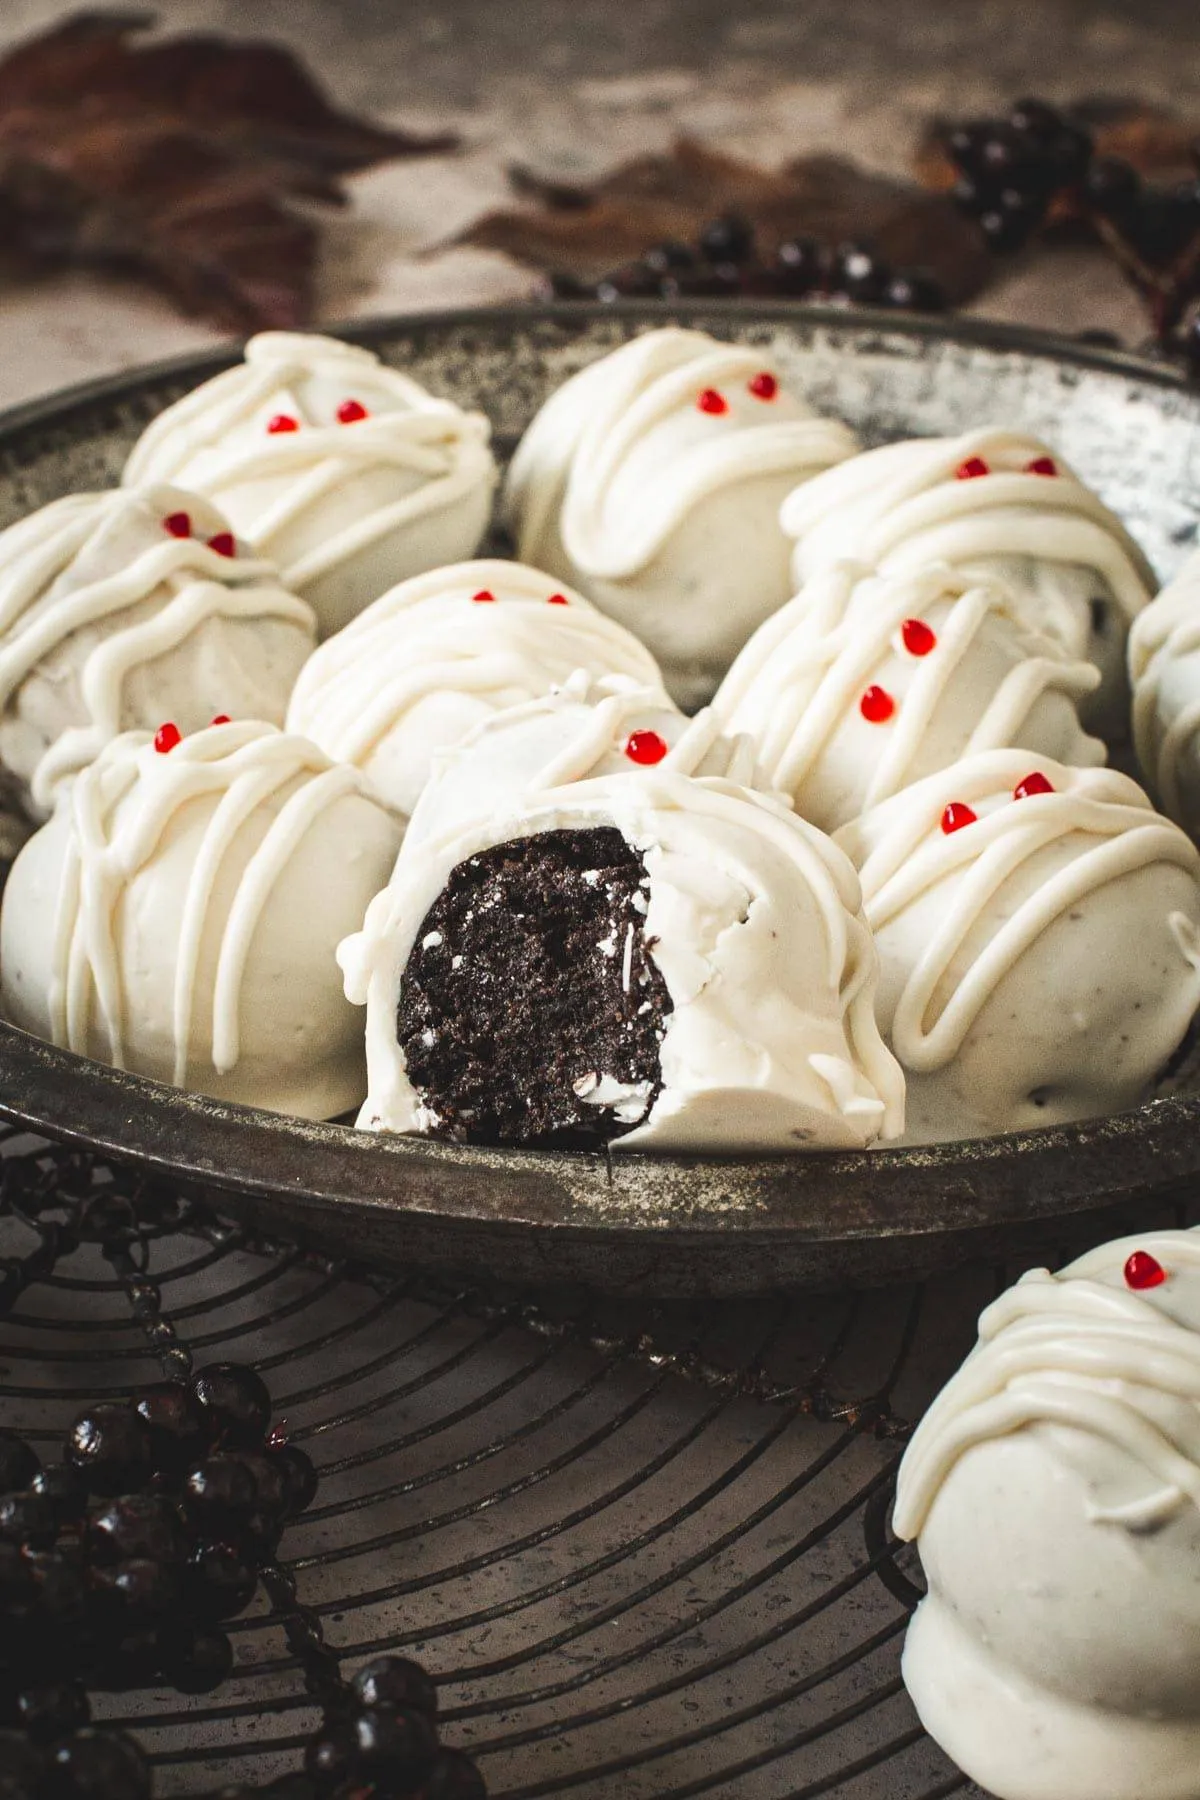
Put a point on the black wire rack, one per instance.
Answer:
(644, 1549)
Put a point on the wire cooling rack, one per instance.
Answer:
(644, 1549)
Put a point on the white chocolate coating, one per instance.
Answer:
(424, 665)
(346, 510)
(754, 922)
(665, 515)
(109, 623)
(177, 917)
(1039, 965)
(1164, 669)
(987, 683)
(1050, 537)
(580, 731)
(1054, 1488)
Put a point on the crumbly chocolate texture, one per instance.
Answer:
(530, 988)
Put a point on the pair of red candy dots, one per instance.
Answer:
(485, 597)
(763, 386)
(919, 639)
(348, 413)
(168, 735)
(179, 525)
(975, 466)
(958, 813)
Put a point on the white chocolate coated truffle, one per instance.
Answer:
(1164, 668)
(429, 661)
(580, 731)
(345, 472)
(116, 613)
(1054, 1491)
(653, 481)
(980, 503)
(177, 917)
(866, 683)
(1039, 950)
(753, 921)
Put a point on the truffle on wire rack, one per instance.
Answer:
(347, 473)
(1164, 668)
(1038, 931)
(653, 480)
(865, 683)
(177, 917)
(668, 962)
(991, 502)
(120, 609)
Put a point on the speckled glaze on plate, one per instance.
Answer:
(633, 1223)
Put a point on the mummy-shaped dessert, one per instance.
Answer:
(580, 731)
(1054, 1491)
(662, 961)
(1038, 931)
(428, 661)
(345, 472)
(120, 609)
(178, 916)
(1164, 667)
(865, 683)
(990, 503)
(653, 481)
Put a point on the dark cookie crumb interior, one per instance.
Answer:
(530, 984)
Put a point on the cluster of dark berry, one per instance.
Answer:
(725, 263)
(1011, 170)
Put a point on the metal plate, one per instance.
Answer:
(631, 1223)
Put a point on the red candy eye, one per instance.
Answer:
(971, 469)
(876, 706)
(219, 719)
(1144, 1271)
(166, 738)
(763, 387)
(282, 422)
(178, 524)
(711, 402)
(956, 816)
(1042, 465)
(484, 598)
(645, 747)
(919, 638)
(350, 412)
(558, 600)
(223, 543)
(1032, 784)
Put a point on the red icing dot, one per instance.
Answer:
(1042, 465)
(919, 638)
(219, 719)
(484, 598)
(877, 706)
(1033, 784)
(1144, 1271)
(709, 401)
(351, 411)
(558, 600)
(166, 737)
(956, 816)
(223, 543)
(282, 422)
(645, 747)
(763, 387)
(971, 469)
(178, 524)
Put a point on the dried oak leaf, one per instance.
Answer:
(586, 230)
(180, 160)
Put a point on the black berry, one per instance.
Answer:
(30, 1519)
(100, 1765)
(64, 1489)
(110, 1446)
(1112, 187)
(176, 1425)
(729, 239)
(53, 1711)
(220, 1582)
(667, 257)
(137, 1525)
(195, 1662)
(453, 1777)
(18, 1463)
(392, 1681)
(800, 265)
(220, 1493)
(387, 1748)
(300, 1479)
(235, 1404)
(859, 274)
(916, 290)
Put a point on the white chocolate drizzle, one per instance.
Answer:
(1079, 1351)
(121, 809)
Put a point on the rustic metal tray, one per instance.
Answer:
(632, 1223)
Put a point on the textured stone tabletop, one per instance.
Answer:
(573, 87)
